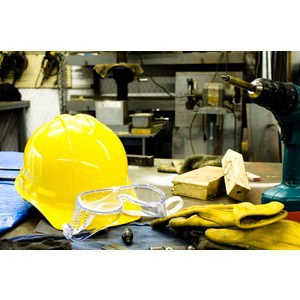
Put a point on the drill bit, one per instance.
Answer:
(239, 83)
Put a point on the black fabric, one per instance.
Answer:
(9, 93)
(196, 237)
(205, 244)
(47, 244)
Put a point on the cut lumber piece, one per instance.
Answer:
(203, 183)
(253, 177)
(235, 176)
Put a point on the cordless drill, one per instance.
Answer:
(283, 100)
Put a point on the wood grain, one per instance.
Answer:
(235, 176)
(203, 183)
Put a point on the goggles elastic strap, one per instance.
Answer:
(176, 208)
(168, 203)
(135, 213)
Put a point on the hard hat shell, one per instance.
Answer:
(67, 156)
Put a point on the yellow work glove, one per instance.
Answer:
(283, 235)
(243, 215)
(192, 162)
(197, 161)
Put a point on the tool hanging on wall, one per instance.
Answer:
(12, 62)
(49, 67)
(193, 97)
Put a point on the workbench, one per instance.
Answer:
(269, 172)
(127, 137)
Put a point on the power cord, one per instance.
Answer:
(156, 83)
(217, 68)
(160, 86)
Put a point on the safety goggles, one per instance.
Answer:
(98, 209)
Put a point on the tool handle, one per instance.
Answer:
(291, 163)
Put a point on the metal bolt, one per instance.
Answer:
(127, 236)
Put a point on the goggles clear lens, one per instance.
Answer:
(99, 209)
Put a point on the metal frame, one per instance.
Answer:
(89, 105)
(8, 105)
(181, 58)
(19, 107)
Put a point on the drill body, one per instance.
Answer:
(283, 100)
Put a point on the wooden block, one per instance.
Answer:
(203, 183)
(142, 130)
(235, 176)
(253, 177)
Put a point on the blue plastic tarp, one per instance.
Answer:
(13, 209)
(10, 160)
(8, 175)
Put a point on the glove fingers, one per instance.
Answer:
(200, 160)
(205, 244)
(210, 214)
(228, 236)
(243, 215)
(247, 215)
(283, 235)
(193, 221)
(221, 215)
(162, 222)
(166, 169)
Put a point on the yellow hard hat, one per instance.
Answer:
(67, 156)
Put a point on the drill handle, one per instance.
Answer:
(291, 164)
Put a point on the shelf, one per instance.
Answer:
(9, 105)
(92, 59)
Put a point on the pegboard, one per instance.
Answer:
(30, 75)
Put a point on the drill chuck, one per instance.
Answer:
(278, 97)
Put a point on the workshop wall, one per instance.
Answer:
(44, 102)
(44, 99)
